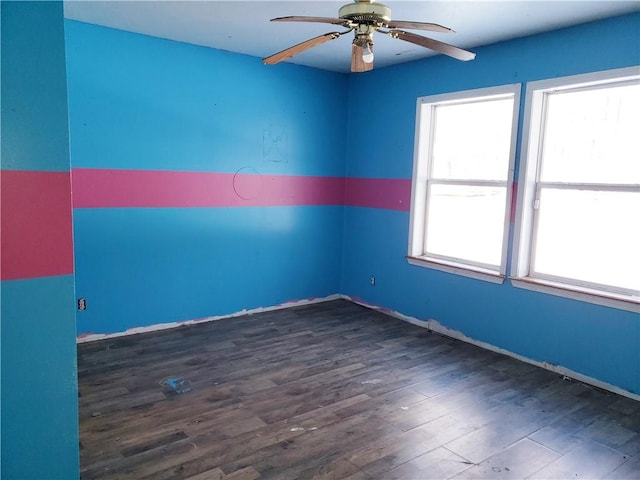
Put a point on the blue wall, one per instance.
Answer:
(600, 342)
(39, 385)
(138, 103)
(141, 103)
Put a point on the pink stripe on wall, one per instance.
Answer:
(390, 194)
(37, 239)
(103, 188)
(96, 188)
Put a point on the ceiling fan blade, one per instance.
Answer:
(333, 21)
(299, 48)
(357, 63)
(434, 27)
(432, 44)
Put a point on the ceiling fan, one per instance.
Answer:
(364, 17)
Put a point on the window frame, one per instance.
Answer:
(422, 182)
(530, 185)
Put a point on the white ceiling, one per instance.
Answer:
(244, 26)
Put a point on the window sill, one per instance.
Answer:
(458, 269)
(578, 293)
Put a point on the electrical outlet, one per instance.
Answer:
(82, 304)
(373, 280)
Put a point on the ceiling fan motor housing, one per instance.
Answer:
(366, 12)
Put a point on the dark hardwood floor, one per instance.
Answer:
(338, 391)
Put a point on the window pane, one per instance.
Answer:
(472, 140)
(466, 223)
(591, 136)
(590, 236)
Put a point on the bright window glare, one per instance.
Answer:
(585, 185)
(576, 227)
(466, 199)
(463, 176)
(592, 136)
(466, 223)
(472, 140)
(593, 236)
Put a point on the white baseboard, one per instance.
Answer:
(435, 326)
(92, 337)
(432, 325)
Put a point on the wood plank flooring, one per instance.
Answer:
(338, 391)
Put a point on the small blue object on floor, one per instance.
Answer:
(178, 385)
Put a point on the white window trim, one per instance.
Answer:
(464, 270)
(519, 272)
(420, 175)
(575, 292)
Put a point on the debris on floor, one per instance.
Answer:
(177, 385)
(372, 381)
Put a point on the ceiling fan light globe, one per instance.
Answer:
(367, 54)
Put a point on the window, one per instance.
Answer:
(578, 223)
(462, 181)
